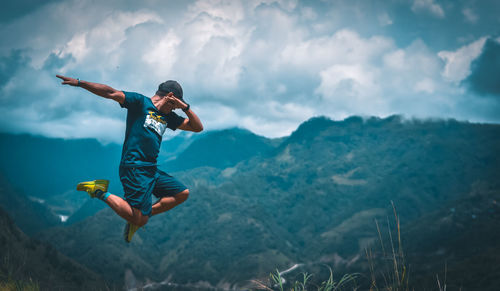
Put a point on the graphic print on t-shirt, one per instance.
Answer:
(156, 122)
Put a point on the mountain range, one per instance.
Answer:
(311, 198)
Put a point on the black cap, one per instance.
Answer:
(170, 86)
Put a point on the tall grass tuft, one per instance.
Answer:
(8, 273)
(388, 268)
(395, 273)
(10, 284)
(331, 285)
(277, 283)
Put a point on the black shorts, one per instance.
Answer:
(140, 183)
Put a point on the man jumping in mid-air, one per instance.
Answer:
(147, 120)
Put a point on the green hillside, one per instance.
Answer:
(31, 216)
(311, 199)
(34, 264)
(221, 149)
(49, 168)
(461, 241)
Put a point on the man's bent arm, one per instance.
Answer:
(192, 123)
(96, 88)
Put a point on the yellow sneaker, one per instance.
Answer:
(129, 231)
(94, 188)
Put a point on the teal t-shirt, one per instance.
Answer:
(145, 128)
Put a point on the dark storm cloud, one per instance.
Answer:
(54, 62)
(485, 71)
(19, 8)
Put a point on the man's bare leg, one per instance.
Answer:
(99, 189)
(127, 212)
(167, 203)
(164, 204)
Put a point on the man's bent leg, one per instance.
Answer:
(99, 188)
(134, 216)
(132, 226)
(127, 212)
(167, 203)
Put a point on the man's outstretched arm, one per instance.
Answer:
(96, 88)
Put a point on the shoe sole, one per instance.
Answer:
(101, 185)
(82, 186)
(126, 232)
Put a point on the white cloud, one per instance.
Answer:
(343, 47)
(428, 6)
(470, 15)
(457, 63)
(164, 55)
(76, 47)
(104, 39)
(395, 60)
(232, 11)
(52, 27)
(267, 127)
(308, 13)
(216, 115)
(404, 81)
(103, 128)
(289, 111)
(79, 124)
(350, 80)
(425, 86)
(384, 19)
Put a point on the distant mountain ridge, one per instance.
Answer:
(221, 149)
(54, 166)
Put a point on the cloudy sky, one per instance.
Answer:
(263, 65)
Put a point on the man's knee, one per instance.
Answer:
(142, 220)
(182, 196)
(139, 219)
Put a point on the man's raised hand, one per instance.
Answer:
(175, 101)
(68, 80)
